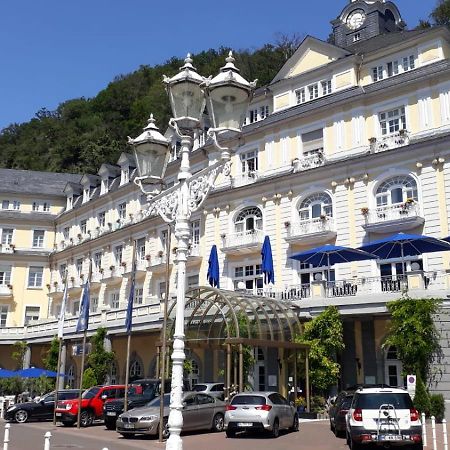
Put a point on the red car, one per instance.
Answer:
(91, 405)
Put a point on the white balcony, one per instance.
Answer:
(312, 231)
(308, 162)
(244, 179)
(5, 291)
(393, 218)
(157, 263)
(7, 248)
(113, 274)
(243, 242)
(194, 254)
(395, 140)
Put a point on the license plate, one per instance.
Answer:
(244, 424)
(128, 425)
(391, 437)
(110, 413)
(58, 414)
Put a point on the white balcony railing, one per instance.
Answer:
(308, 162)
(388, 213)
(244, 178)
(6, 248)
(194, 250)
(395, 140)
(243, 239)
(159, 259)
(310, 226)
(5, 290)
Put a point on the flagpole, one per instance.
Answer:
(164, 340)
(60, 339)
(83, 345)
(127, 371)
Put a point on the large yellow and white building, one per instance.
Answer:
(349, 143)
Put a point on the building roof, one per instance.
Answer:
(34, 182)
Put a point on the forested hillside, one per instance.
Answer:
(83, 133)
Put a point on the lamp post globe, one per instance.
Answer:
(228, 97)
(185, 95)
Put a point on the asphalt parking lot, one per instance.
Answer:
(31, 436)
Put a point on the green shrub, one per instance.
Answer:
(318, 404)
(437, 408)
(89, 378)
(422, 398)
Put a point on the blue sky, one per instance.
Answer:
(55, 50)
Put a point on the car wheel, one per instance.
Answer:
(86, 418)
(275, 429)
(127, 436)
(295, 424)
(21, 416)
(110, 425)
(165, 432)
(355, 445)
(230, 433)
(218, 423)
(347, 438)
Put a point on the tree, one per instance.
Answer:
(18, 354)
(99, 360)
(413, 332)
(441, 13)
(50, 359)
(89, 378)
(324, 335)
(422, 398)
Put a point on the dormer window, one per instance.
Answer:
(83, 226)
(86, 194)
(356, 37)
(123, 211)
(124, 175)
(69, 202)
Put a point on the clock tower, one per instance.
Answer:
(364, 19)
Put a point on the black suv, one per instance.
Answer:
(139, 394)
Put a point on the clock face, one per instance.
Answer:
(356, 18)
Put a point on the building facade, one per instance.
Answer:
(348, 144)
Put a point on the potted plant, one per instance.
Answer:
(372, 140)
(111, 268)
(287, 224)
(300, 403)
(160, 254)
(123, 264)
(147, 257)
(364, 211)
(323, 217)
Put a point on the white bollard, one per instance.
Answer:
(444, 430)
(6, 438)
(424, 430)
(433, 432)
(47, 437)
(104, 448)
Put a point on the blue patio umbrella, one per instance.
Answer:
(401, 245)
(213, 274)
(4, 373)
(328, 255)
(36, 372)
(267, 262)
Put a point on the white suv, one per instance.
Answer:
(384, 416)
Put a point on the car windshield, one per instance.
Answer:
(67, 395)
(200, 387)
(156, 401)
(47, 397)
(375, 400)
(248, 400)
(90, 393)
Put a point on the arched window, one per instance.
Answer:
(70, 377)
(248, 219)
(396, 190)
(316, 205)
(135, 370)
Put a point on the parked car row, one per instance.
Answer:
(203, 409)
(383, 416)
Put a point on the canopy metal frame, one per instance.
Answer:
(228, 320)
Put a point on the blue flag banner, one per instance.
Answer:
(62, 314)
(213, 274)
(267, 262)
(129, 317)
(83, 319)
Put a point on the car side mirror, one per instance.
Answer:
(104, 397)
(291, 403)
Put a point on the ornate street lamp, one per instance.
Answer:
(228, 96)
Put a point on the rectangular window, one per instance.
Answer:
(125, 175)
(7, 236)
(123, 211)
(38, 238)
(93, 305)
(253, 115)
(5, 204)
(392, 121)
(62, 272)
(76, 307)
(66, 232)
(356, 37)
(35, 277)
(408, 63)
(300, 94)
(249, 162)
(312, 141)
(248, 278)
(192, 281)
(46, 206)
(5, 275)
(31, 313)
(264, 111)
(3, 315)
(35, 206)
(118, 250)
(313, 91)
(195, 232)
(86, 195)
(104, 186)
(101, 218)
(140, 249)
(392, 68)
(79, 266)
(163, 239)
(326, 87)
(114, 299)
(138, 296)
(162, 290)
(16, 205)
(83, 226)
(377, 73)
(97, 261)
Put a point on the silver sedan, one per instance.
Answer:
(200, 412)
